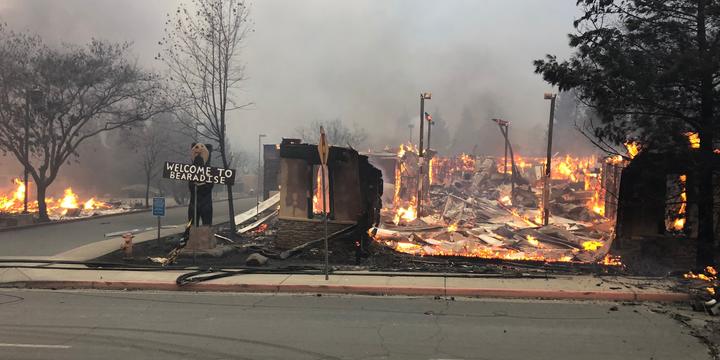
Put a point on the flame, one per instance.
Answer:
(678, 224)
(532, 240)
(452, 227)
(633, 148)
(318, 195)
(70, 200)
(611, 260)
(14, 203)
(709, 275)
(505, 200)
(693, 139)
(430, 171)
(407, 214)
(592, 245)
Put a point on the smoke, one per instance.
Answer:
(364, 62)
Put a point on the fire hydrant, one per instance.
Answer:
(127, 245)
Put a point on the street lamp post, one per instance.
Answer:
(423, 96)
(257, 189)
(548, 167)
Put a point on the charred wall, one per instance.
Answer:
(354, 193)
(271, 169)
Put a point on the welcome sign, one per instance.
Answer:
(198, 174)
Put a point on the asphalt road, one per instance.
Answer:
(53, 239)
(44, 324)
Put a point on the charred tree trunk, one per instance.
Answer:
(147, 191)
(42, 206)
(706, 235)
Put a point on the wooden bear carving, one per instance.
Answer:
(200, 156)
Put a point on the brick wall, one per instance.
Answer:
(292, 233)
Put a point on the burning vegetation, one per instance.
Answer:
(70, 204)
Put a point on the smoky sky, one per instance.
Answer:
(363, 62)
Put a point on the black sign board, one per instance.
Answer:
(198, 174)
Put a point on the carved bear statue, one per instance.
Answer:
(200, 156)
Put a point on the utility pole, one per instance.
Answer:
(506, 152)
(421, 173)
(548, 165)
(257, 189)
(411, 127)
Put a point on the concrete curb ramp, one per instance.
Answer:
(556, 294)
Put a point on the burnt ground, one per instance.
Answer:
(342, 256)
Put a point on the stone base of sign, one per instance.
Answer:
(201, 238)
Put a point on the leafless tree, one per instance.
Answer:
(150, 143)
(68, 94)
(336, 131)
(202, 48)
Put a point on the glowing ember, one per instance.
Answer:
(452, 228)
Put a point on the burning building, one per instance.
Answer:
(352, 197)
(475, 210)
(658, 196)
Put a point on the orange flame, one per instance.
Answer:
(633, 148)
(693, 139)
(14, 203)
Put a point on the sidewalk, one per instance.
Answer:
(556, 287)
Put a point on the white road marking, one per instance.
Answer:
(36, 346)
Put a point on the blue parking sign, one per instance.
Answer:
(158, 208)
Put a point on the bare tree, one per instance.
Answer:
(202, 48)
(337, 133)
(151, 143)
(67, 94)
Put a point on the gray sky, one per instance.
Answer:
(362, 61)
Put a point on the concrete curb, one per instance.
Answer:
(360, 290)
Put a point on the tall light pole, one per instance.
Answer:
(548, 165)
(257, 189)
(424, 96)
